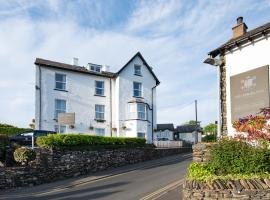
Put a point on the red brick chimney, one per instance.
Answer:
(240, 28)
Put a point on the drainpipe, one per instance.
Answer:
(153, 113)
(111, 106)
(39, 77)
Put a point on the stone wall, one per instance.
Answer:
(201, 152)
(51, 165)
(229, 189)
(223, 96)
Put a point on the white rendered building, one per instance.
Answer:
(121, 104)
(243, 73)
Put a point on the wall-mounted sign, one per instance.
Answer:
(249, 92)
(66, 118)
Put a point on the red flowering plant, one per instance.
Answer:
(254, 129)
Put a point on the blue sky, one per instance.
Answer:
(174, 36)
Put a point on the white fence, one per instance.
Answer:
(168, 144)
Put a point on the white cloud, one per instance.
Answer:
(174, 37)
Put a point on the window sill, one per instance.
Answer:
(137, 74)
(138, 97)
(138, 120)
(100, 120)
(97, 95)
(60, 90)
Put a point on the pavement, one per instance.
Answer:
(159, 179)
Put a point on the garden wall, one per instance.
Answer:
(223, 189)
(229, 189)
(51, 165)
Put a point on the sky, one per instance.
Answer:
(174, 36)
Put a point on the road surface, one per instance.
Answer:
(158, 179)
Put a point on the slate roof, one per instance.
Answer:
(248, 36)
(82, 69)
(163, 127)
(75, 68)
(187, 128)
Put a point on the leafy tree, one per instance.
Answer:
(192, 122)
(210, 128)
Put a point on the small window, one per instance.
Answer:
(132, 111)
(141, 108)
(137, 70)
(60, 81)
(59, 129)
(100, 112)
(99, 85)
(60, 107)
(94, 67)
(137, 89)
(141, 135)
(100, 131)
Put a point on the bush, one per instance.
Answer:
(209, 138)
(75, 140)
(24, 155)
(200, 171)
(4, 142)
(238, 157)
(6, 129)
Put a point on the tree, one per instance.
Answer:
(210, 128)
(192, 122)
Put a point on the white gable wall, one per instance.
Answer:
(248, 57)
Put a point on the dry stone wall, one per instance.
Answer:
(51, 165)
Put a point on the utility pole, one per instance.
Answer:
(196, 112)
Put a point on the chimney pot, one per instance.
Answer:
(239, 20)
(75, 61)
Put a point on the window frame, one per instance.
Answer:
(140, 112)
(97, 112)
(64, 83)
(99, 88)
(100, 134)
(138, 70)
(56, 110)
(139, 89)
(58, 128)
(141, 133)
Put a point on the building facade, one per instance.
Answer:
(243, 71)
(77, 99)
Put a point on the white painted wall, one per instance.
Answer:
(125, 94)
(163, 134)
(248, 57)
(80, 99)
(191, 137)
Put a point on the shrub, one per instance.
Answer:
(4, 142)
(209, 138)
(200, 171)
(75, 140)
(24, 155)
(237, 157)
(6, 129)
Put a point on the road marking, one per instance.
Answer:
(156, 163)
(163, 190)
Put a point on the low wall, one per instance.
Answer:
(230, 189)
(201, 152)
(51, 165)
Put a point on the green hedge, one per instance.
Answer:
(6, 129)
(232, 159)
(209, 138)
(77, 140)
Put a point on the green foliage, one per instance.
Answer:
(6, 129)
(205, 173)
(200, 171)
(192, 122)
(209, 138)
(4, 142)
(210, 128)
(24, 155)
(238, 157)
(73, 140)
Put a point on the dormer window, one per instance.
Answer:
(137, 70)
(94, 67)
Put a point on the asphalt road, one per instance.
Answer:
(159, 179)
